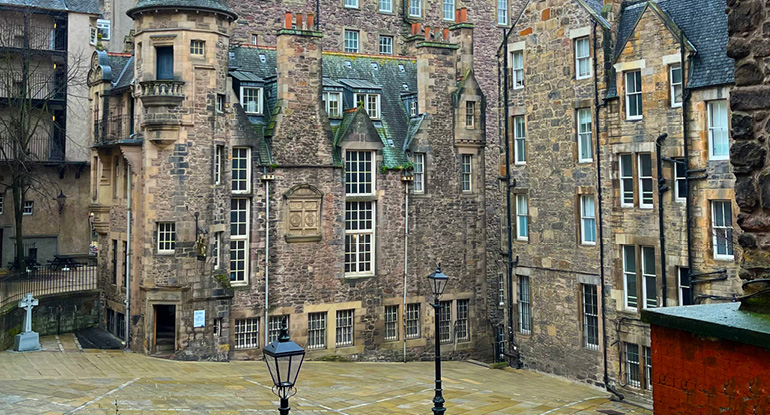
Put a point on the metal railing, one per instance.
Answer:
(44, 281)
(40, 148)
(38, 37)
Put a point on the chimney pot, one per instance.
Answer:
(310, 21)
(446, 34)
(427, 32)
(457, 15)
(299, 21)
(463, 15)
(287, 21)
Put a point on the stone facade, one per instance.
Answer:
(256, 180)
(563, 266)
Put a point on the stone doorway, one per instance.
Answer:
(165, 329)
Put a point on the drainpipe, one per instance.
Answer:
(599, 199)
(128, 257)
(688, 199)
(406, 259)
(662, 188)
(267, 253)
(511, 346)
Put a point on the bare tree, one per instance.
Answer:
(35, 72)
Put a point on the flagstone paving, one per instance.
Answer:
(59, 380)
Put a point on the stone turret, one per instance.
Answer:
(302, 133)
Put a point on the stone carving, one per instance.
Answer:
(303, 204)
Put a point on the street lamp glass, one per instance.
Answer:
(284, 359)
(438, 282)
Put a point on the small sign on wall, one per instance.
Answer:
(199, 318)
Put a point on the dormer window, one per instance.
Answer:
(251, 99)
(103, 28)
(470, 114)
(413, 108)
(333, 104)
(371, 103)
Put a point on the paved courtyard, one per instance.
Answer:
(64, 379)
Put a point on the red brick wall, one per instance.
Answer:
(694, 375)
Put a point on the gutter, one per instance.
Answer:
(688, 199)
(662, 188)
(128, 261)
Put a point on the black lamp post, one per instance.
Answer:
(438, 282)
(284, 359)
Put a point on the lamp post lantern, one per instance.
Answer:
(438, 282)
(284, 359)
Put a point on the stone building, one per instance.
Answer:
(238, 185)
(621, 191)
(45, 52)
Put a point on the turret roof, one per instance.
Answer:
(213, 5)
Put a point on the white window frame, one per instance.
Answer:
(413, 112)
(328, 106)
(2, 203)
(316, 330)
(632, 366)
(166, 236)
(274, 327)
(674, 85)
(360, 173)
(391, 323)
(246, 333)
(220, 103)
(415, 8)
(102, 26)
(345, 324)
(254, 39)
(500, 289)
(29, 208)
(462, 322)
(680, 179)
(590, 316)
(466, 173)
(584, 135)
(219, 151)
(502, 12)
(525, 305)
(642, 179)
(387, 45)
(371, 106)
(237, 240)
(683, 273)
(726, 227)
(216, 250)
(257, 109)
(587, 219)
(517, 69)
(348, 41)
(93, 35)
(647, 351)
(633, 94)
(197, 45)
(582, 58)
(522, 217)
(448, 8)
(630, 272)
(626, 181)
(412, 324)
(350, 4)
(647, 276)
(713, 128)
(356, 238)
(470, 119)
(419, 173)
(519, 140)
(444, 316)
(386, 6)
(238, 157)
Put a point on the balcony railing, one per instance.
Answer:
(161, 92)
(117, 127)
(44, 281)
(43, 37)
(39, 149)
(40, 86)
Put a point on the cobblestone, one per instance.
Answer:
(117, 382)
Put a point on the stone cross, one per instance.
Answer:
(27, 303)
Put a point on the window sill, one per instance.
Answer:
(724, 258)
(586, 161)
(522, 239)
(165, 253)
(359, 276)
(258, 114)
(676, 105)
(520, 163)
(385, 12)
(634, 118)
(646, 207)
(582, 78)
(588, 244)
(302, 238)
(719, 158)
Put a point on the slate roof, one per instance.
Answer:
(122, 70)
(78, 6)
(183, 4)
(348, 71)
(704, 24)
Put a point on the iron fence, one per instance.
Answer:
(37, 35)
(45, 281)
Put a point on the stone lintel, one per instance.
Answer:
(461, 26)
(437, 45)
